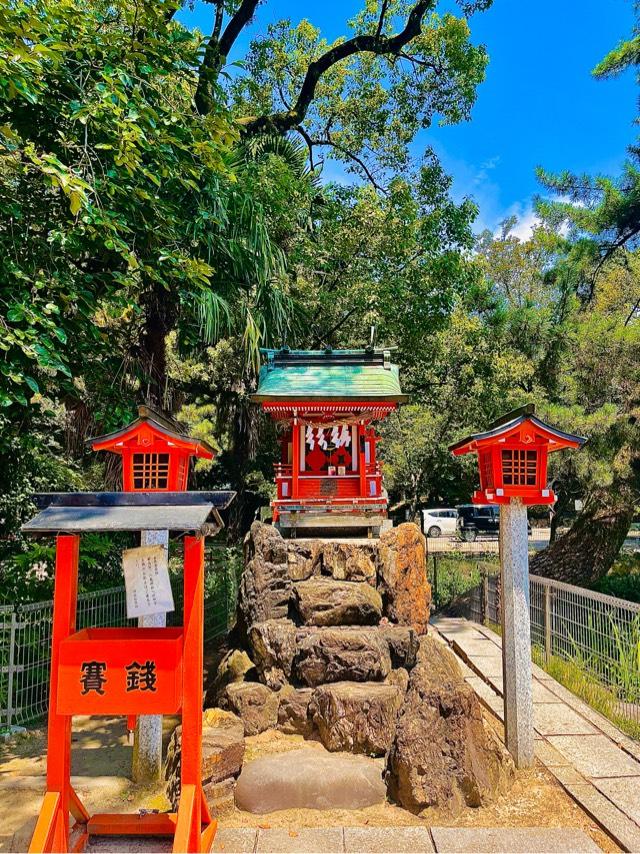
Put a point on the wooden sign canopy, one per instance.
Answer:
(124, 671)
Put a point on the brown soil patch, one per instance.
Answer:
(101, 750)
(536, 799)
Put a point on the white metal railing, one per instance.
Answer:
(25, 635)
(598, 634)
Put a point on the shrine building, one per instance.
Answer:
(325, 403)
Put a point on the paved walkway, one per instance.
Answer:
(417, 840)
(597, 764)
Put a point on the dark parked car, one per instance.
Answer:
(479, 520)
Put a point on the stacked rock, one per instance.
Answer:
(327, 658)
(336, 649)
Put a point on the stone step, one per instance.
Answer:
(356, 716)
(310, 656)
(309, 778)
(327, 602)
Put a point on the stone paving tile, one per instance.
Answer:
(466, 671)
(403, 840)
(622, 830)
(235, 840)
(624, 792)
(305, 840)
(128, 845)
(512, 840)
(454, 627)
(559, 719)
(490, 667)
(541, 692)
(473, 647)
(549, 756)
(568, 776)
(595, 756)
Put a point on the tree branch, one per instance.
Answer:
(218, 48)
(328, 141)
(378, 44)
(383, 12)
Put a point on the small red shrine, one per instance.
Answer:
(326, 402)
(155, 453)
(512, 457)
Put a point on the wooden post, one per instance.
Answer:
(516, 634)
(147, 744)
(52, 829)
(295, 457)
(485, 595)
(361, 461)
(193, 811)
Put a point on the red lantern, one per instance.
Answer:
(155, 455)
(512, 457)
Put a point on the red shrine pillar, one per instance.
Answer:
(362, 466)
(295, 455)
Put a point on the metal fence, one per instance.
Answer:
(25, 634)
(582, 637)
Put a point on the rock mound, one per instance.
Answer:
(444, 755)
(325, 602)
(402, 576)
(222, 755)
(309, 779)
(342, 653)
(254, 703)
(355, 716)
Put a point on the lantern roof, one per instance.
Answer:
(329, 375)
(509, 426)
(161, 426)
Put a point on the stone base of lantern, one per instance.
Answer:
(516, 634)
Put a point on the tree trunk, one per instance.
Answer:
(589, 548)
(160, 316)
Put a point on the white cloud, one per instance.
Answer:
(527, 220)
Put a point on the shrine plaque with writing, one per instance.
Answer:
(146, 579)
(128, 671)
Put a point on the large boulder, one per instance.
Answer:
(355, 716)
(325, 602)
(341, 653)
(222, 755)
(254, 703)
(309, 778)
(265, 587)
(402, 576)
(350, 561)
(445, 755)
(273, 645)
(293, 712)
(304, 558)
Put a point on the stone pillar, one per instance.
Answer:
(147, 743)
(516, 633)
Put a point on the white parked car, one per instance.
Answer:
(435, 523)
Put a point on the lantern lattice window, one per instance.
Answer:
(486, 470)
(519, 467)
(150, 471)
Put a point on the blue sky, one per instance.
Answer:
(539, 104)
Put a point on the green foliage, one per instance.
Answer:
(369, 106)
(623, 579)
(457, 574)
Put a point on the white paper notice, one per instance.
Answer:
(146, 578)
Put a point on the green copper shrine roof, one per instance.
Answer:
(298, 375)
